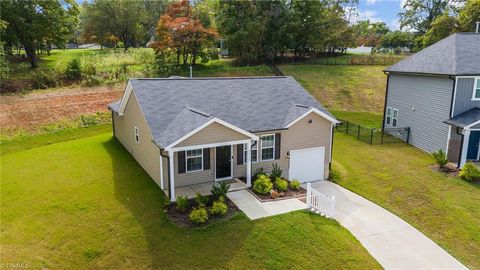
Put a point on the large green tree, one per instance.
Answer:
(469, 15)
(37, 23)
(418, 15)
(369, 33)
(441, 27)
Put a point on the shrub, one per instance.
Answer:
(219, 207)
(182, 203)
(220, 189)
(295, 184)
(201, 200)
(281, 184)
(262, 185)
(257, 173)
(198, 215)
(470, 172)
(276, 171)
(440, 158)
(74, 70)
(43, 79)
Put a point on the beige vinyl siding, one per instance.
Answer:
(197, 177)
(299, 136)
(145, 152)
(213, 133)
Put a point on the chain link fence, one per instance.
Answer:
(374, 135)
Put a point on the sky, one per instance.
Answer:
(380, 11)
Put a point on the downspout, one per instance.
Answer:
(453, 95)
(331, 149)
(168, 169)
(386, 97)
(461, 148)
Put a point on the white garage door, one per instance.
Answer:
(307, 164)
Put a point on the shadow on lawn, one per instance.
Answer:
(171, 246)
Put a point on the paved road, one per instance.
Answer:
(394, 243)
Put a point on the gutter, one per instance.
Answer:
(461, 148)
(386, 97)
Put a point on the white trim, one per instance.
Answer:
(210, 145)
(231, 163)
(196, 156)
(395, 117)
(316, 111)
(475, 85)
(448, 140)
(472, 124)
(172, 177)
(261, 147)
(161, 171)
(478, 150)
(454, 97)
(136, 134)
(331, 143)
(249, 163)
(125, 98)
(217, 120)
(245, 146)
(388, 116)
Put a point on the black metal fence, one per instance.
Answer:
(374, 135)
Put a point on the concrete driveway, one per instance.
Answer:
(394, 243)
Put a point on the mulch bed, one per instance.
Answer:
(181, 219)
(448, 169)
(289, 194)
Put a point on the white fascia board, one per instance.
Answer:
(217, 120)
(125, 97)
(316, 111)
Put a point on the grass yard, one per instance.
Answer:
(398, 177)
(86, 203)
(343, 87)
(367, 119)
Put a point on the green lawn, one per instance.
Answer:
(367, 119)
(398, 177)
(343, 87)
(86, 203)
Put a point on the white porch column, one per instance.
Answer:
(172, 175)
(249, 164)
(466, 139)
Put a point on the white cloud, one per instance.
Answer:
(372, 2)
(394, 25)
(371, 15)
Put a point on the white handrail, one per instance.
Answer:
(320, 202)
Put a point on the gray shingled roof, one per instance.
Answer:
(458, 54)
(464, 119)
(173, 107)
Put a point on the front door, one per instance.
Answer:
(223, 162)
(473, 145)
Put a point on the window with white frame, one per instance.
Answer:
(395, 118)
(194, 160)
(268, 147)
(137, 135)
(254, 152)
(476, 90)
(389, 116)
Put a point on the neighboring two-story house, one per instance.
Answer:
(436, 93)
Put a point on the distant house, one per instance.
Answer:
(186, 131)
(436, 92)
(360, 50)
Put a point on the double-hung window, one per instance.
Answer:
(389, 116)
(392, 117)
(137, 135)
(476, 90)
(268, 147)
(395, 118)
(254, 152)
(194, 160)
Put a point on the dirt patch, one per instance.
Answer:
(181, 219)
(44, 107)
(448, 169)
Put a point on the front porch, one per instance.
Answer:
(205, 188)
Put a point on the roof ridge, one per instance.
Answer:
(174, 78)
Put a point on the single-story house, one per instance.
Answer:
(186, 131)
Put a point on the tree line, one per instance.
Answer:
(255, 31)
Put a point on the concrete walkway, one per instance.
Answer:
(254, 209)
(394, 243)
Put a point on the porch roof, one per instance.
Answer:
(465, 119)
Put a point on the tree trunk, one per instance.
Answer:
(32, 55)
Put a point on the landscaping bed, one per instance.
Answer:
(182, 218)
(289, 194)
(269, 187)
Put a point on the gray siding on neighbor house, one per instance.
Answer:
(423, 103)
(463, 96)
